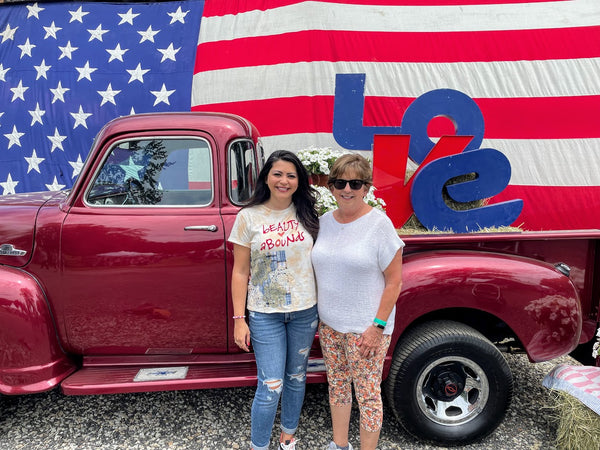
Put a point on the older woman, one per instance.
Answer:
(358, 267)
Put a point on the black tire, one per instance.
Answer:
(448, 384)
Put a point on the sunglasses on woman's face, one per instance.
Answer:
(354, 184)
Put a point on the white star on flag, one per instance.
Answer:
(19, 91)
(56, 140)
(127, 17)
(8, 33)
(42, 70)
(55, 186)
(162, 95)
(108, 95)
(97, 33)
(3, 72)
(51, 31)
(33, 162)
(9, 186)
(66, 51)
(36, 115)
(14, 138)
(178, 16)
(26, 48)
(34, 10)
(77, 16)
(85, 71)
(59, 92)
(148, 35)
(116, 53)
(77, 166)
(137, 73)
(80, 117)
(168, 53)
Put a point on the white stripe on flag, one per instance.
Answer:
(325, 16)
(498, 79)
(577, 167)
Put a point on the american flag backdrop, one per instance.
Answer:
(532, 67)
(68, 68)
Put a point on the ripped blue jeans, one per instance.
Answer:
(281, 343)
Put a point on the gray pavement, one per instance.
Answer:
(219, 419)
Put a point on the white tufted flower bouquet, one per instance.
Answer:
(318, 161)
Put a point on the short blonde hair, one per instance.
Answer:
(351, 162)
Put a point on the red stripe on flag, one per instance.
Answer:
(222, 7)
(553, 207)
(509, 118)
(505, 118)
(279, 116)
(434, 47)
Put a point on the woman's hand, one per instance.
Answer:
(369, 342)
(241, 334)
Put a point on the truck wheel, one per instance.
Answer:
(448, 384)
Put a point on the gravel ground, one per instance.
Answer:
(219, 419)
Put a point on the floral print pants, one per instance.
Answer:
(345, 366)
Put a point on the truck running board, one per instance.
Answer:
(128, 379)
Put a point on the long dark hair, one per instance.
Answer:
(304, 198)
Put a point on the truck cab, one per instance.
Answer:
(131, 265)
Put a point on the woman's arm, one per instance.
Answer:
(393, 285)
(239, 291)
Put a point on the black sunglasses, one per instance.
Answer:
(354, 184)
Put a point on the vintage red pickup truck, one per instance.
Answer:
(121, 284)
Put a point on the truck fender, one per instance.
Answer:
(31, 359)
(538, 302)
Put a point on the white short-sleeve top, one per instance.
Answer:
(349, 260)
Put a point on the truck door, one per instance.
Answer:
(143, 252)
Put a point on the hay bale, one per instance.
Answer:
(578, 427)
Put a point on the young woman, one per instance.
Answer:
(358, 265)
(273, 278)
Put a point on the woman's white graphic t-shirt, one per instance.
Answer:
(281, 273)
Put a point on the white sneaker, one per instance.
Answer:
(333, 446)
(290, 446)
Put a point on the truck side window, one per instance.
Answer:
(243, 171)
(155, 172)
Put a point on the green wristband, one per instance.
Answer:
(383, 323)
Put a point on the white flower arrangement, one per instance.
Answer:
(326, 200)
(596, 347)
(318, 161)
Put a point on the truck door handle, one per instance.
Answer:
(212, 228)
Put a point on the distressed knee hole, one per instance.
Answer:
(298, 376)
(274, 385)
(304, 351)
